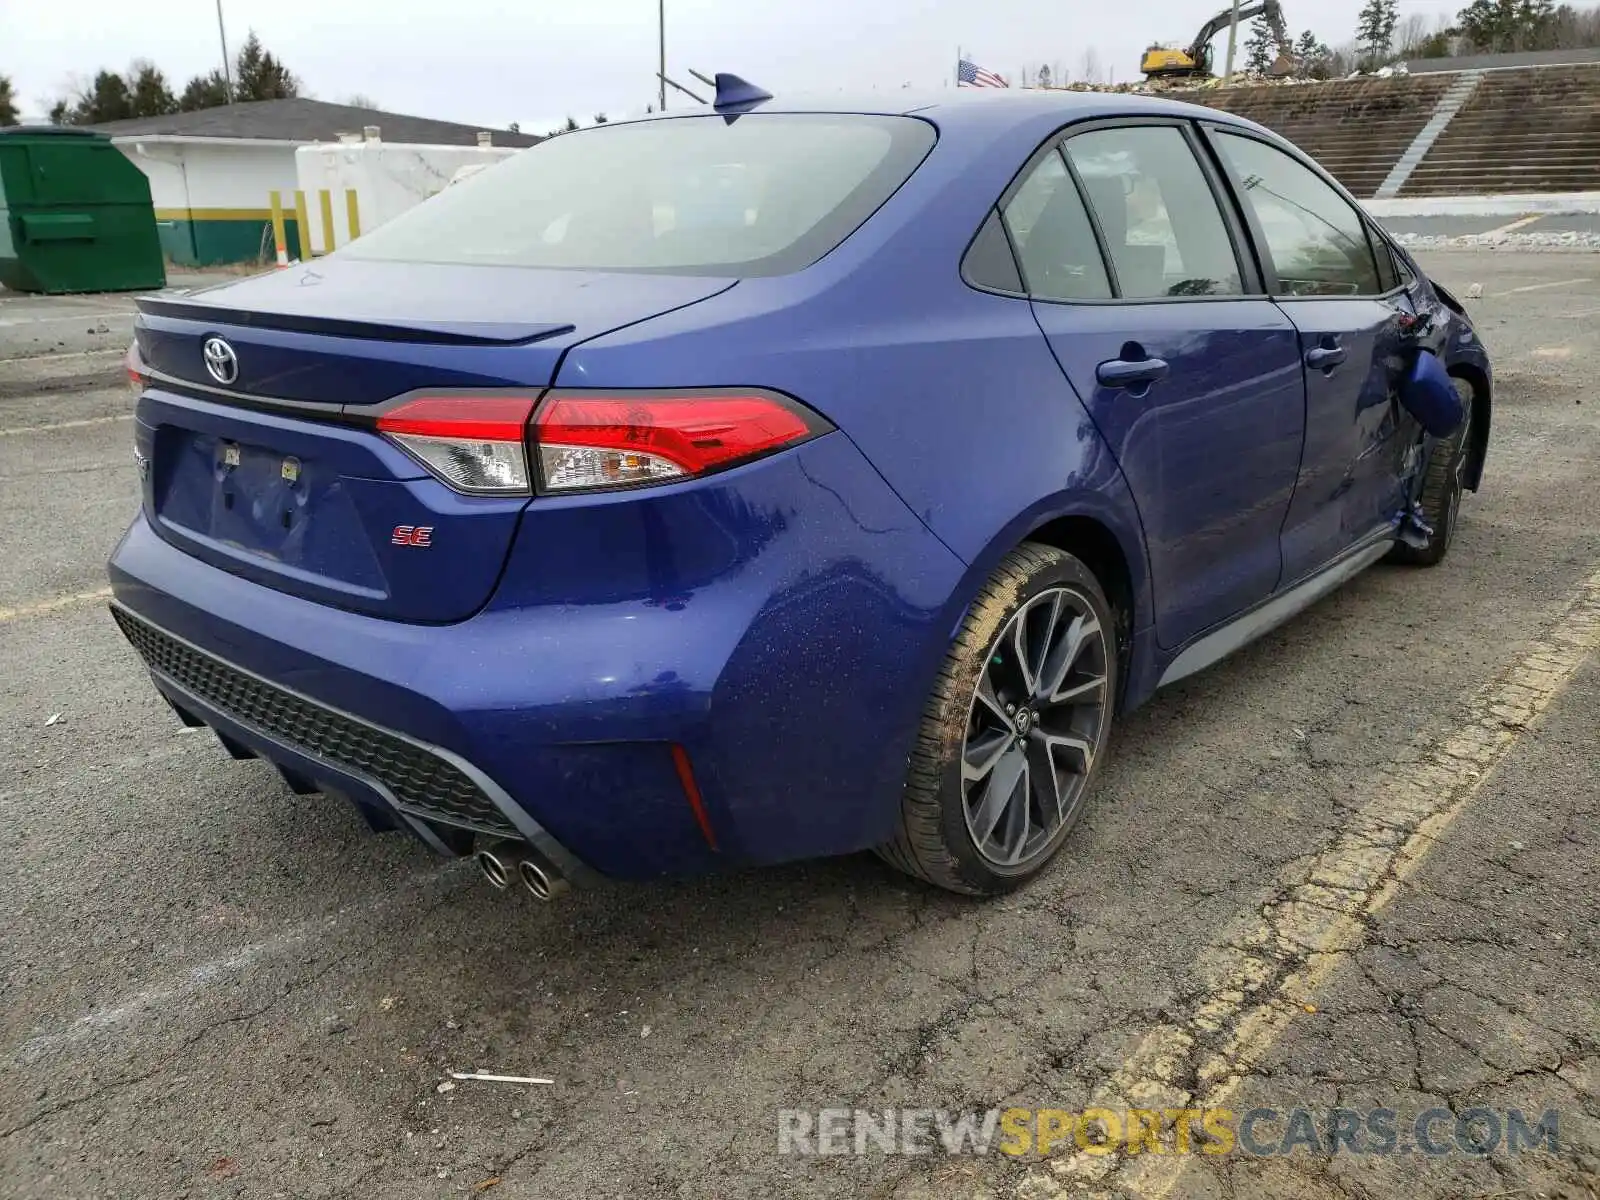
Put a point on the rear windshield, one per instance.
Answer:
(763, 194)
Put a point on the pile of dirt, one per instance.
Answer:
(1162, 87)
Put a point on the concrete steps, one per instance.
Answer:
(1527, 130)
(1357, 128)
(1454, 98)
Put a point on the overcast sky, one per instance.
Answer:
(491, 63)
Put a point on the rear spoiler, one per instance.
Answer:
(451, 333)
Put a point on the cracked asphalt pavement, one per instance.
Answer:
(1353, 866)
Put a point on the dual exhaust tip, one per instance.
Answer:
(503, 863)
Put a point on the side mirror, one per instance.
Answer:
(1429, 394)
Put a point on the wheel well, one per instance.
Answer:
(1098, 549)
(1482, 409)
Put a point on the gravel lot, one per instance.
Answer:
(1355, 865)
(1529, 231)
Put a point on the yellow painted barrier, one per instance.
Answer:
(325, 199)
(353, 210)
(279, 239)
(304, 225)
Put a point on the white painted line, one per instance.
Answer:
(1539, 287)
(33, 358)
(55, 604)
(79, 424)
(151, 1002)
(1512, 227)
(1261, 973)
(10, 321)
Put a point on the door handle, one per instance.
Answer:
(1135, 373)
(1326, 358)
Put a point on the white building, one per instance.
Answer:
(212, 172)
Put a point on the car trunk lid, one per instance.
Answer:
(271, 467)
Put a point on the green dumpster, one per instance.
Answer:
(75, 214)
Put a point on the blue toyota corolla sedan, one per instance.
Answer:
(775, 480)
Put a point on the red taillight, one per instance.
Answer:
(474, 443)
(135, 366)
(597, 439)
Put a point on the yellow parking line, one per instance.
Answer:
(40, 607)
(1261, 975)
(1523, 223)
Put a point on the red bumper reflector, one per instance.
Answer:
(691, 790)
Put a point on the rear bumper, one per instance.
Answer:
(395, 779)
(792, 675)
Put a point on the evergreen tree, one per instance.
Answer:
(204, 91)
(8, 103)
(1500, 25)
(1375, 29)
(259, 76)
(1258, 48)
(106, 98)
(149, 94)
(1536, 20)
(1312, 57)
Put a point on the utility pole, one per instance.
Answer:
(1233, 38)
(661, 46)
(227, 71)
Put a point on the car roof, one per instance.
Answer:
(987, 109)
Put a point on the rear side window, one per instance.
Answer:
(989, 262)
(1317, 240)
(1157, 212)
(1055, 243)
(764, 194)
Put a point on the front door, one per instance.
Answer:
(1347, 306)
(1195, 387)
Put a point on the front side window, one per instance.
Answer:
(1317, 240)
(1162, 227)
(764, 194)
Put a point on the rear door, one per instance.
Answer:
(1347, 305)
(1191, 375)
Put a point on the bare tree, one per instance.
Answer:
(1089, 65)
(1409, 33)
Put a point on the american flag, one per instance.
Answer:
(970, 74)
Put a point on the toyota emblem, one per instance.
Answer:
(222, 364)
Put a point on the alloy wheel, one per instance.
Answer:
(1038, 715)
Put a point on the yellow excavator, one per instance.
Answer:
(1173, 62)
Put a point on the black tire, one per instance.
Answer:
(1045, 599)
(1441, 492)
